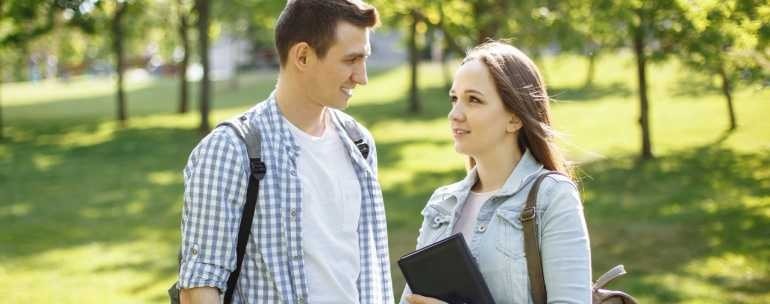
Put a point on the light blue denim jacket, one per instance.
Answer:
(498, 240)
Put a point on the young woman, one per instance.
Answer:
(500, 119)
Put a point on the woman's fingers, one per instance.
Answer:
(418, 299)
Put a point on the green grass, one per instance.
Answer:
(90, 212)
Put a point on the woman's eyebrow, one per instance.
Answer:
(451, 92)
(474, 91)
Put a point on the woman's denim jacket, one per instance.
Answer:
(498, 239)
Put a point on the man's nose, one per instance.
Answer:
(359, 75)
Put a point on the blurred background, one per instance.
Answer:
(662, 105)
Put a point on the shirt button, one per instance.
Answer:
(293, 212)
(300, 299)
(293, 172)
(297, 257)
(482, 228)
(195, 251)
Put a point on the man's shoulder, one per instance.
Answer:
(258, 112)
(252, 118)
(225, 136)
(220, 142)
(347, 119)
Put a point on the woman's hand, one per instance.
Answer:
(418, 299)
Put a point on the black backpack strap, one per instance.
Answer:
(531, 244)
(251, 138)
(355, 133)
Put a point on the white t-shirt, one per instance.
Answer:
(331, 207)
(467, 222)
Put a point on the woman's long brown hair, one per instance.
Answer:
(521, 87)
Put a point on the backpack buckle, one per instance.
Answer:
(527, 214)
(362, 147)
(258, 168)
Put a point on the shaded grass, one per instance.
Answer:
(686, 216)
(90, 212)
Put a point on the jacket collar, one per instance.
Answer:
(526, 169)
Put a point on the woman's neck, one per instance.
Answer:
(494, 168)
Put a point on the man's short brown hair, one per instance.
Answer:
(315, 22)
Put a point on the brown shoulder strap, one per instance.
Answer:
(531, 245)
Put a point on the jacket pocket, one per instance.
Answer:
(510, 234)
(435, 224)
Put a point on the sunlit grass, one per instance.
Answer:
(90, 211)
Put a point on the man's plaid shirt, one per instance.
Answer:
(216, 178)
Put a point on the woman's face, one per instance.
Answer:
(478, 119)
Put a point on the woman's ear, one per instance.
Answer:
(514, 124)
(301, 55)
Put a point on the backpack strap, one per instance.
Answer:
(355, 133)
(247, 134)
(531, 244)
(250, 136)
(608, 276)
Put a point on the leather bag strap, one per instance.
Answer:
(531, 243)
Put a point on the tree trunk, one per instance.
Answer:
(185, 37)
(445, 67)
(489, 16)
(644, 116)
(234, 81)
(452, 43)
(727, 91)
(2, 135)
(202, 7)
(537, 58)
(591, 70)
(485, 27)
(449, 45)
(414, 102)
(117, 39)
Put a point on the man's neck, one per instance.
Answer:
(298, 108)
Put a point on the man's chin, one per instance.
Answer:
(340, 104)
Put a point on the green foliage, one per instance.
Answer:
(253, 20)
(26, 20)
(660, 21)
(727, 35)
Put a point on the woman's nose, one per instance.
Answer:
(456, 113)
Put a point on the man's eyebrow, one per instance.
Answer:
(357, 54)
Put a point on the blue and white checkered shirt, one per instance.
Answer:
(216, 179)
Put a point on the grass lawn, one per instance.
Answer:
(89, 213)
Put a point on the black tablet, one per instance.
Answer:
(445, 270)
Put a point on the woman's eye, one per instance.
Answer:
(475, 100)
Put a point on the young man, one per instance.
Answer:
(319, 232)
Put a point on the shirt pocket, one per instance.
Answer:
(435, 224)
(510, 234)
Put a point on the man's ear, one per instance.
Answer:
(301, 55)
(514, 124)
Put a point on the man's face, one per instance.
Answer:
(333, 78)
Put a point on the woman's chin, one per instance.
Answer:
(460, 149)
